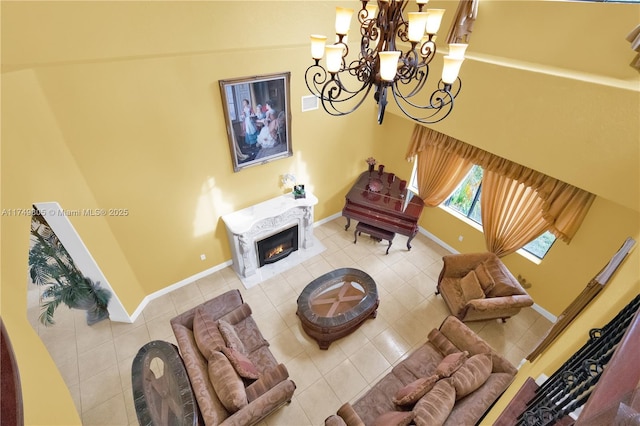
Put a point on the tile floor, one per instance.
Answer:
(95, 362)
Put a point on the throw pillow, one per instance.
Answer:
(441, 342)
(436, 405)
(241, 363)
(473, 373)
(394, 418)
(206, 333)
(230, 336)
(414, 391)
(470, 286)
(450, 364)
(226, 382)
(484, 277)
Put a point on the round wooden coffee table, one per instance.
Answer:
(335, 304)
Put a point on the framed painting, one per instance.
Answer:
(258, 118)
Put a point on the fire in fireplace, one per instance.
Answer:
(278, 246)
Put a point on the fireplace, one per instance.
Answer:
(278, 246)
(248, 228)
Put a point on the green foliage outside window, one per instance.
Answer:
(466, 201)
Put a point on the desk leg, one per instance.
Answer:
(348, 224)
(409, 241)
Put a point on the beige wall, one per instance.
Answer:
(116, 105)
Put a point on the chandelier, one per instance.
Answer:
(381, 66)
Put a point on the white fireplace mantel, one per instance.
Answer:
(248, 226)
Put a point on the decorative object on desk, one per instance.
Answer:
(372, 163)
(381, 169)
(380, 65)
(258, 118)
(288, 180)
(298, 192)
(375, 185)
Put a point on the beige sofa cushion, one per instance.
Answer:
(206, 333)
(226, 382)
(435, 406)
(502, 277)
(470, 286)
(451, 363)
(243, 365)
(394, 418)
(230, 336)
(415, 390)
(472, 374)
(484, 277)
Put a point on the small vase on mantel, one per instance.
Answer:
(381, 169)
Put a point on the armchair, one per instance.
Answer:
(478, 286)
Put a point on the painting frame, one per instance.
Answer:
(257, 112)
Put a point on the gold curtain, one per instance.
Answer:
(511, 213)
(563, 206)
(438, 171)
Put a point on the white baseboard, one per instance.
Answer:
(437, 240)
(542, 311)
(327, 219)
(176, 286)
(143, 304)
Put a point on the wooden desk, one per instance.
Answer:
(390, 208)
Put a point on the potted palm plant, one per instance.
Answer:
(51, 266)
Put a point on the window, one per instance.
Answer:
(465, 200)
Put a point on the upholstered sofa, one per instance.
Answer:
(235, 377)
(478, 286)
(452, 379)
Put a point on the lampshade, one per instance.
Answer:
(417, 24)
(317, 46)
(343, 20)
(334, 57)
(389, 64)
(451, 69)
(434, 17)
(422, 2)
(456, 50)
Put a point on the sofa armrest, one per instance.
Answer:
(238, 314)
(458, 265)
(500, 303)
(268, 380)
(264, 405)
(349, 415)
(466, 339)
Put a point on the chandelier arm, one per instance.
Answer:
(320, 83)
(440, 103)
(315, 77)
(331, 93)
(449, 91)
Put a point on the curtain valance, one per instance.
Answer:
(563, 206)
